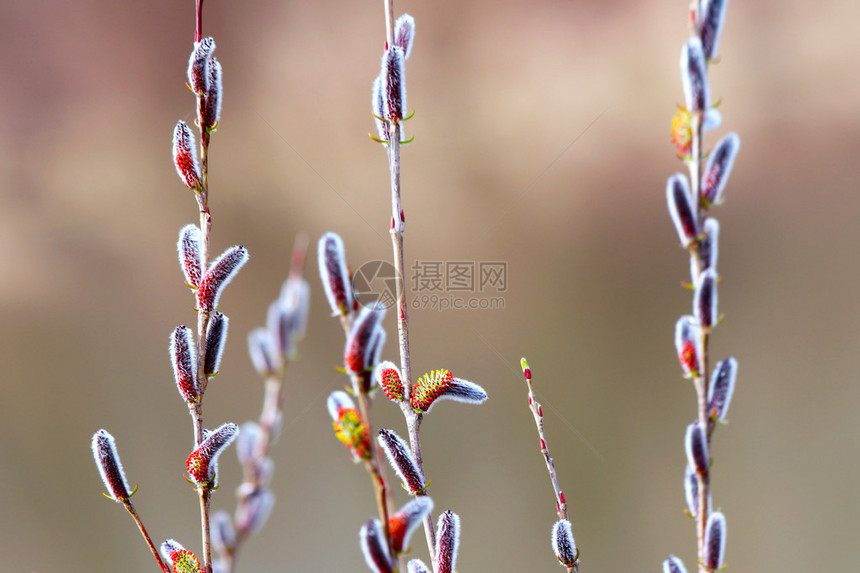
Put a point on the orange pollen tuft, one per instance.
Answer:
(682, 134)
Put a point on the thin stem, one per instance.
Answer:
(196, 412)
(130, 507)
(272, 402)
(204, 493)
(198, 31)
(389, 22)
(202, 325)
(413, 424)
(273, 398)
(398, 227)
(205, 230)
(537, 412)
(228, 557)
(202, 197)
(701, 381)
(374, 464)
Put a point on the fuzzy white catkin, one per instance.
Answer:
(219, 276)
(447, 542)
(404, 34)
(722, 388)
(696, 446)
(109, 465)
(334, 274)
(264, 356)
(694, 76)
(673, 565)
(563, 544)
(416, 566)
(715, 541)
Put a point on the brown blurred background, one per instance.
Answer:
(541, 140)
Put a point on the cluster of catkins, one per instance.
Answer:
(383, 543)
(193, 364)
(204, 81)
(364, 339)
(389, 88)
(689, 204)
(271, 348)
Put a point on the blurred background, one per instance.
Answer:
(542, 141)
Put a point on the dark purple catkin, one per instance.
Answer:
(183, 359)
(447, 542)
(219, 276)
(404, 34)
(278, 326)
(681, 209)
(705, 299)
(400, 456)
(691, 490)
(374, 352)
(335, 275)
(110, 468)
(188, 248)
(696, 446)
(715, 541)
(374, 547)
(362, 342)
(563, 544)
(709, 247)
(712, 15)
(719, 167)
(210, 114)
(721, 389)
(694, 76)
(216, 337)
(198, 65)
(394, 84)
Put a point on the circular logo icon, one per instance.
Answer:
(375, 281)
